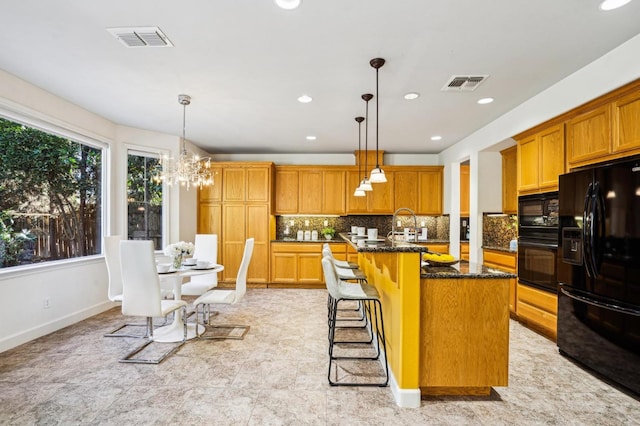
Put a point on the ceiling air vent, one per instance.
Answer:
(463, 83)
(141, 37)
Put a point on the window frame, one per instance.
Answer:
(129, 148)
(44, 123)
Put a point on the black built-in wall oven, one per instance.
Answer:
(538, 240)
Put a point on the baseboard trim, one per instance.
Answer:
(405, 398)
(25, 336)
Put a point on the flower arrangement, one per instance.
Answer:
(179, 249)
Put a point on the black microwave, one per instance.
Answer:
(538, 218)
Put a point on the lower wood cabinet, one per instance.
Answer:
(300, 263)
(464, 251)
(538, 309)
(505, 261)
(436, 247)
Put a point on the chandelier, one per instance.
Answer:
(188, 169)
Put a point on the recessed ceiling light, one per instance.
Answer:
(612, 4)
(411, 96)
(436, 138)
(305, 99)
(288, 4)
(311, 138)
(485, 101)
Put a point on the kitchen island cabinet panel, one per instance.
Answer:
(505, 261)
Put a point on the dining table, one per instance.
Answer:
(174, 332)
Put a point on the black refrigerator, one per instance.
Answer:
(598, 269)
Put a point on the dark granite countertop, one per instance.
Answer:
(496, 248)
(463, 269)
(323, 240)
(362, 245)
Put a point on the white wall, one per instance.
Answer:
(614, 69)
(76, 288)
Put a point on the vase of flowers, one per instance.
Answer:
(177, 251)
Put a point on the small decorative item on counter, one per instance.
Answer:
(314, 235)
(328, 232)
(177, 251)
(439, 259)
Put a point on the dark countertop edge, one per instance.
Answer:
(504, 249)
(473, 271)
(444, 275)
(324, 240)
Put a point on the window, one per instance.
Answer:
(50, 196)
(144, 198)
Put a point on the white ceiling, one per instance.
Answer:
(244, 63)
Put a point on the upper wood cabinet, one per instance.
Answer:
(419, 189)
(378, 201)
(626, 130)
(310, 190)
(509, 176)
(464, 190)
(286, 196)
(589, 136)
(540, 160)
(246, 183)
(212, 192)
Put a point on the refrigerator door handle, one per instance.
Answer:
(597, 228)
(587, 218)
(600, 304)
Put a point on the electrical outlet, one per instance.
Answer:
(47, 303)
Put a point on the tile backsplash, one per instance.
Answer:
(499, 229)
(437, 226)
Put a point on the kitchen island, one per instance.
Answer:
(447, 327)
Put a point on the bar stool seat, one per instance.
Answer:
(368, 296)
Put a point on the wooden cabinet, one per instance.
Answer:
(300, 263)
(538, 309)
(464, 190)
(464, 251)
(589, 136)
(509, 180)
(626, 125)
(310, 190)
(506, 262)
(212, 193)
(236, 209)
(378, 201)
(246, 183)
(540, 160)
(436, 247)
(419, 189)
(286, 196)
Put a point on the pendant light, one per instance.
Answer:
(365, 185)
(377, 174)
(359, 192)
(188, 169)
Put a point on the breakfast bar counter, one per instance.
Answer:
(447, 327)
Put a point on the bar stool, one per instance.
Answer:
(350, 272)
(368, 296)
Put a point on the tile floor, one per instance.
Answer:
(276, 375)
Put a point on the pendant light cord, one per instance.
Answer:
(377, 120)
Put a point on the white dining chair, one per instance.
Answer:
(206, 249)
(226, 297)
(112, 260)
(141, 294)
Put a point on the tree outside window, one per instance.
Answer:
(144, 198)
(50, 196)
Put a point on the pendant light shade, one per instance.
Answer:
(377, 174)
(365, 185)
(359, 192)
